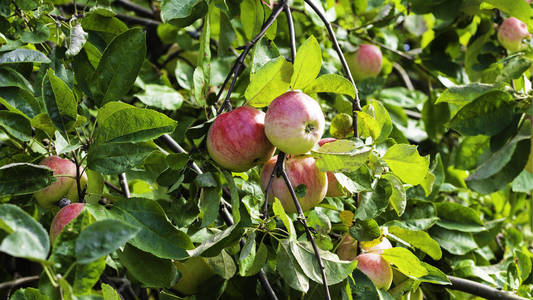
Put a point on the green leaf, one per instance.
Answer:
(268, 82)
(28, 294)
(217, 242)
(115, 158)
(290, 270)
(362, 287)
(463, 94)
(87, 275)
(406, 262)
(341, 126)
(400, 96)
(330, 83)
(341, 155)
(250, 260)
(513, 69)
(398, 198)
(120, 122)
(60, 101)
(78, 38)
(11, 78)
(418, 239)
(156, 236)
(366, 230)
(455, 242)
(102, 238)
(16, 125)
(109, 293)
(374, 121)
(375, 202)
(234, 193)
(150, 270)
(182, 13)
(26, 238)
(38, 35)
(99, 23)
(518, 9)
(251, 17)
(209, 204)
(22, 55)
(307, 64)
(160, 96)
(24, 178)
(455, 216)
(487, 114)
(434, 275)
(280, 213)
(222, 265)
(119, 66)
(405, 162)
(62, 146)
(20, 101)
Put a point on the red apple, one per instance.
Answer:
(65, 173)
(511, 33)
(63, 217)
(365, 62)
(300, 170)
(334, 187)
(347, 249)
(376, 268)
(378, 249)
(237, 141)
(294, 123)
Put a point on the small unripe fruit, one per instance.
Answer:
(237, 141)
(366, 62)
(300, 170)
(65, 172)
(63, 217)
(347, 249)
(194, 272)
(378, 249)
(511, 33)
(376, 268)
(334, 187)
(294, 123)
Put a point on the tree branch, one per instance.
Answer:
(18, 281)
(124, 184)
(356, 103)
(290, 24)
(141, 11)
(226, 215)
(240, 60)
(478, 289)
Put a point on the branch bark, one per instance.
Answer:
(18, 281)
(124, 184)
(478, 289)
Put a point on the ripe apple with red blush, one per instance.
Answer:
(63, 217)
(376, 268)
(378, 248)
(300, 170)
(366, 62)
(237, 141)
(294, 123)
(347, 249)
(511, 33)
(65, 187)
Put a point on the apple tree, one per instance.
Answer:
(266, 149)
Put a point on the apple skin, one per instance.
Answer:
(63, 217)
(376, 268)
(300, 170)
(334, 187)
(194, 272)
(511, 33)
(237, 141)
(294, 123)
(378, 249)
(366, 62)
(65, 172)
(347, 249)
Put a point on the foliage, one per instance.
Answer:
(442, 166)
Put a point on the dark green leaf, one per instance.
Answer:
(160, 96)
(114, 158)
(24, 178)
(182, 13)
(455, 242)
(11, 78)
(22, 55)
(20, 101)
(366, 230)
(16, 125)
(60, 101)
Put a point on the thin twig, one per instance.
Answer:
(124, 184)
(224, 210)
(301, 218)
(240, 60)
(128, 19)
(290, 24)
(478, 289)
(404, 76)
(356, 103)
(78, 186)
(18, 281)
(113, 187)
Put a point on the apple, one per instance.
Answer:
(237, 141)
(376, 268)
(65, 173)
(193, 273)
(63, 217)
(334, 187)
(365, 62)
(511, 33)
(378, 249)
(294, 123)
(300, 170)
(347, 249)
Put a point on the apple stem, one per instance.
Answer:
(356, 103)
(301, 218)
(237, 66)
(224, 210)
